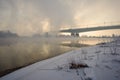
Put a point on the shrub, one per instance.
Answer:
(77, 65)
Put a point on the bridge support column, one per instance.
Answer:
(75, 34)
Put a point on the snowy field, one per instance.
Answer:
(103, 63)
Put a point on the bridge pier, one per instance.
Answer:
(75, 34)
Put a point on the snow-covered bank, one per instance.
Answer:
(103, 62)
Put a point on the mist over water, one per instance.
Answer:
(25, 51)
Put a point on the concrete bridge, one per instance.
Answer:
(75, 32)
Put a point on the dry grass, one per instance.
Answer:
(77, 65)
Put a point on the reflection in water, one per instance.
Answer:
(24, 51)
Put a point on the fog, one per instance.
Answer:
(28, 17)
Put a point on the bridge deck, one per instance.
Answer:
(78, 30)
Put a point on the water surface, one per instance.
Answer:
(19, 52)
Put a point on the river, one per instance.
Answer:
(19, 52)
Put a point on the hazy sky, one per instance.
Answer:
(27, 17)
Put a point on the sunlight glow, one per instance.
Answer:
(46, 25)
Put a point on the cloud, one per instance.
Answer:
(58, 13)
(28, 17)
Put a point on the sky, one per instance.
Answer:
(28, 17)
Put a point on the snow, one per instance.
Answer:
(103, 65)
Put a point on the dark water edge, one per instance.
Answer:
(8, 71)
(5, 72)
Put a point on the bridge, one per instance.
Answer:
(75, 32)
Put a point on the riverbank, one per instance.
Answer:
(103, 63)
